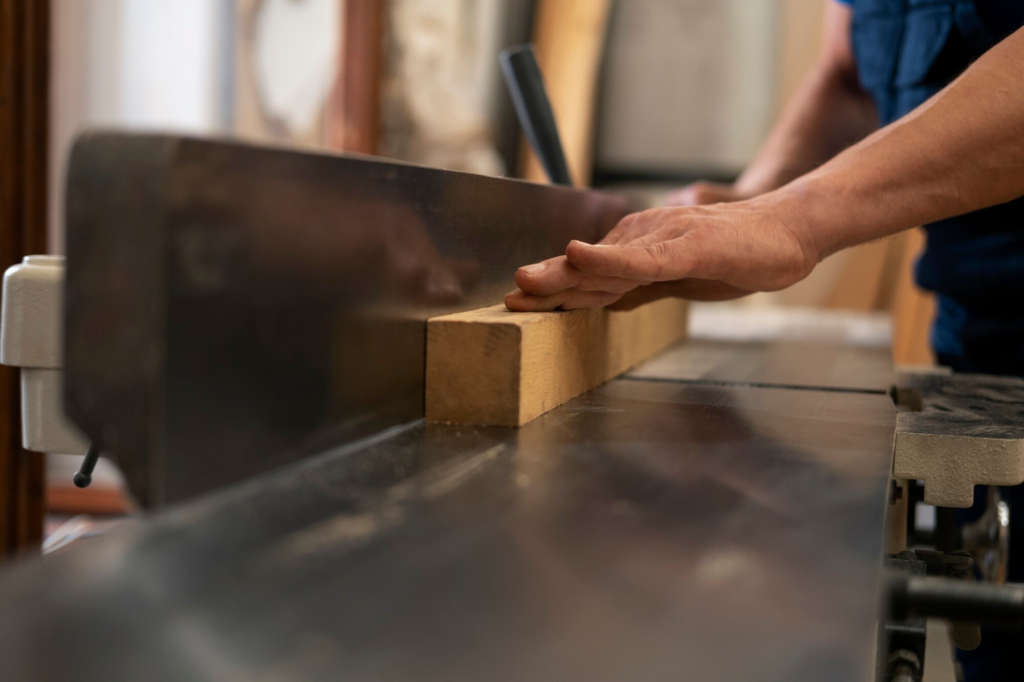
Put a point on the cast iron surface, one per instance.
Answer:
(644, 531)
(796, 364)
(964, 406)
(232, 308)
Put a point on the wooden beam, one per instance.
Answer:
(912, 310)
(353, 118)
(495, 367)
(24, 132)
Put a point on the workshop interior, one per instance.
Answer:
(265, 416)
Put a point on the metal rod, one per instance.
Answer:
(957, 600)
(83, 477)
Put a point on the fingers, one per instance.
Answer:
(707, 290)
(638, 297)
(623, 231)
(546, 277)
(649, 262)
(690, 289)
(556, 274)
(634, 227)
(570, 299)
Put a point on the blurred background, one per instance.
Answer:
(649, 95)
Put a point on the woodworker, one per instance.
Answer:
(945, 81)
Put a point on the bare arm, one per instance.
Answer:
(829, 112)
(961, 151)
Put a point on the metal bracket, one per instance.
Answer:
(967, 430)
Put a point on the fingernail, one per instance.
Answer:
(535, 269)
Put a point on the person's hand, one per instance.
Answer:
(704, 253)
(704, 194)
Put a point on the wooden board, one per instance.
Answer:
(495, 367)
(569, 38)
(912, 308)
(353, 113)
(24, 141)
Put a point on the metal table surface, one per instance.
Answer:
(796, 364)
(647, 530)
(232, 308)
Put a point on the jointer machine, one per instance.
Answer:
(245, 336)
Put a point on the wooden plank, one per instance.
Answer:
(353, 112)
(859, 283)
(495, 367)
(569, 38)
(912, 310)
(101, 501)
(24, 134)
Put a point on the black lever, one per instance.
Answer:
(526, 85)
(958, 600)
(84, 475)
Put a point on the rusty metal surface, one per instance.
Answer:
(231, 308)
(646, 530)
(793, 364)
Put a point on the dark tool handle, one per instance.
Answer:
(957, 600)
(84, 475)
(522, 75)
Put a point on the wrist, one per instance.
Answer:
(796, 207)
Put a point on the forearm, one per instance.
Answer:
(961, 151)
(829, 113)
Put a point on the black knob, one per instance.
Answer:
(84, 475)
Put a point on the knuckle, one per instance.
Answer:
(656, 253)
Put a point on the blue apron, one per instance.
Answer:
(906, 51)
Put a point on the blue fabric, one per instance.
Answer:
(906, 51)
(1000, 15)
(1000, 658)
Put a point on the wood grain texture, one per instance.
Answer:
(24, 135)
(353, 112)
(495, 367)
(913, 309)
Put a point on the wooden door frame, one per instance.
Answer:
(24, 144)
